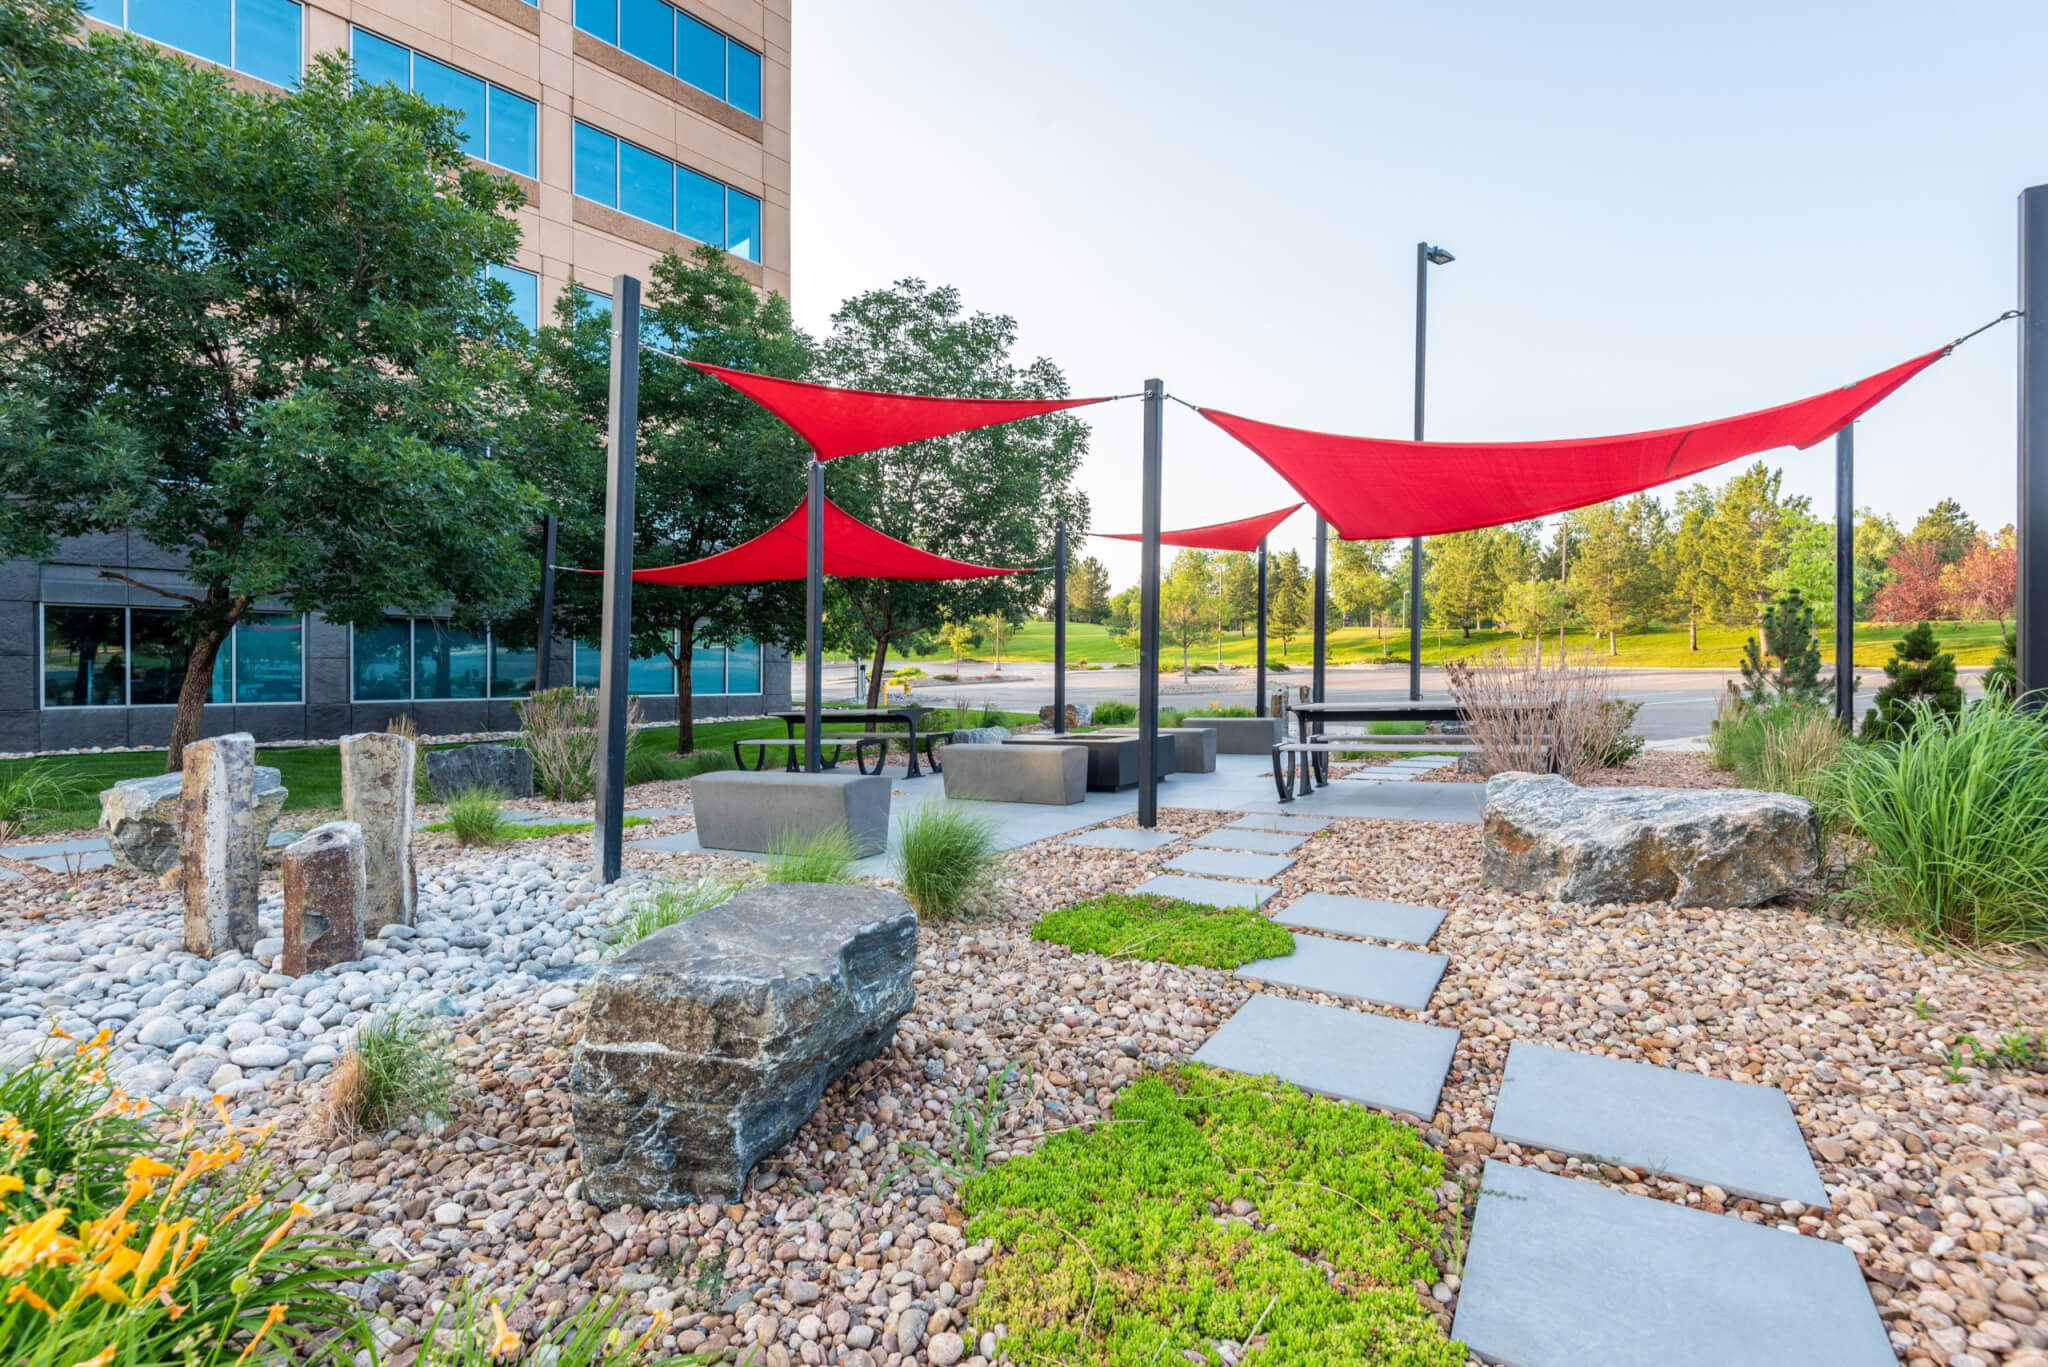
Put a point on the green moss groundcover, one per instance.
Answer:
(1126, 926)
(1117, 1246)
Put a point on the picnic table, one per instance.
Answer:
(1314, 750)
(906, 716)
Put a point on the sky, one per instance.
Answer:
(1661, 213)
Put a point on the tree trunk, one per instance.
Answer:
(1612, 649)
(686, 724)
(875, 679)
(192, 692)
(1692, 627)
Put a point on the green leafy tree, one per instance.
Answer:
(1747, 541)
(1359, 579)
(1620, 583)
(1187, 601)
(990, 496)
(2002, 677)
(1286, 598)
(1919, 671)
(1238, 577)
(255, 329)
(1458, 570)
(715, 467)
(1088, 591)
(1532, 606)
(960, 637)
(1788, 640)
(1948, 529)
(1123, 612)
(1686, 558)
(1877, 539)
(995, 628)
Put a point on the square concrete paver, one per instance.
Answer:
(80, 860)
(1394, 1065)
(1280, 821)
(53, 847)
(1362, 917)
(1206, 891)
(1563, 1273)
(1257, 842)
(1117, 838)
(1738, 1135)
(1231, 864)
(1344, 968)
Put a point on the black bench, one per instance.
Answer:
(829, 748)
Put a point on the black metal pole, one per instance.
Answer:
(1415, 543)
(622, 451)
(1322, 614)
(1845, 575)
(544, 648)
(1148, 608)
(2032, 611)
(1259, 708)
(1059, 629)
(814, 615)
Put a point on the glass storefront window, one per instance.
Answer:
(269, 658)
(449, 663)
(382, 666)
(512, 669)
(651, 675)
(157, 660)
(707, 670)
(743, 668)
(85, 657)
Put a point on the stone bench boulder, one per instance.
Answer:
(1194, 747)
(739, 809)
(503, 769)
(139, 817)
(1050, 775)
(707, 1045)
(1241, 735)
(1716, 847)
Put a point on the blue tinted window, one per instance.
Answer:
(525, 287)
(647, 29)
(743, 668)
(449, 663)
(743, 78)
(515, 134)
(743, 225)
(707, 670)
(700, 207)
(512, 669)
(597, 165)
(651, 674)
(700, 55)
(268, 654)
(382, 665)
(85, 657)
(589, 661)
(459, 91)
(200, 27)
(158, 656)
(646, 185)
(591, 303)
(106, 11)
(599, 18)
(267, 40)
(379, 59)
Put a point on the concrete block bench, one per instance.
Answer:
(1112, 759)
(1050, 775)
(1242, 735)
(1194, 747)
(759, 811)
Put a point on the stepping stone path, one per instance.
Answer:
(1393, 1065)
(1281, 822)
(1565, 1273)
(1207, 891)
(1117, 838)
(1361, 917)
(1257, 842)
(90, 852)
(1737, 1135)
(1345, 968)
(1394, 771)
(1232, 864)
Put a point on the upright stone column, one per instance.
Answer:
(377, 795)
(323, 898)
(220, 855)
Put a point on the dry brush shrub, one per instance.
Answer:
(560, 726)
(1525, 713)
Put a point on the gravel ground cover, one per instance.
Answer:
(849, 1247)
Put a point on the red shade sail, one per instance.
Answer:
(845, 422)
(853, 550)
(1370, 487)
(1245, 534)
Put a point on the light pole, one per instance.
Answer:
(1425, 257)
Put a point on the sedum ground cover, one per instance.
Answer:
(1127, 926)
(1216, 1212)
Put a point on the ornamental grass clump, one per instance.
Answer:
(946, 858)
(138, 1251)
(395, 1069)
(669, 904)
(477, 817)
(815, 857)
(559, 727)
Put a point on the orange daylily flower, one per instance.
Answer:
(20, 1292)
(269, 1322)
(505, 1341)
(144, 1166)
(9, 1183)
(39, 1241)
(270, 1240)
(153, 1255)
(99, 1359)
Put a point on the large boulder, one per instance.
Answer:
(1078, 714)
(377, 795)
(503, 769)
(140, 818)
(708, 1044)
(220, 856)
(1715, 847)
(979, 735)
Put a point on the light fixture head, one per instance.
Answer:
(1437, 256)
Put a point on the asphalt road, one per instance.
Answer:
(1677, 703)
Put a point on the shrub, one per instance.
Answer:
(668, 904)
(1171, 716)
(946, 856)
(1128, 926)
(1722, 739)
(1919, 669)
(1954, 823)
(1787, 748)
(394, 1070)
(1219, 710)
(477, 817)
(1114, 712)
(1278, 666)
(1787, 633)
(1608, 742)
(35, 789)
(819, 857)
(1525, 714)
(648, 760)
(2002, 679)
(560, 726)
(404, 725)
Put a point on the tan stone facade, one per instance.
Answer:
(538, 53)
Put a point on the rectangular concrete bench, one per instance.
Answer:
(1050, 775)
(758, 812)
(1112, 760)
(1194, 747)
(1242, 735)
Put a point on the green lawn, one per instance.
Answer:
(1974, 643)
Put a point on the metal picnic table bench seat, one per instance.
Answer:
(1300, 765)
(907, 717)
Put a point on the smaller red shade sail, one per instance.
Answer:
(1371, 487)
(853, 550)
(846, 422)
(1245, 534)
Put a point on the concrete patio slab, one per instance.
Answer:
(1232, 864)
(78, 859)
(657, 813)
(1361, 917)
(1345, 968)
(1286, 825)
(1256, 842)
(1206, 891)
(1117, 838)
(7, 875)
(1738, 1135)
(1391, 1064)
(1563, 1273)
(50, 847)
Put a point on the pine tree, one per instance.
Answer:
(1787, 638)
(1920, 671)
